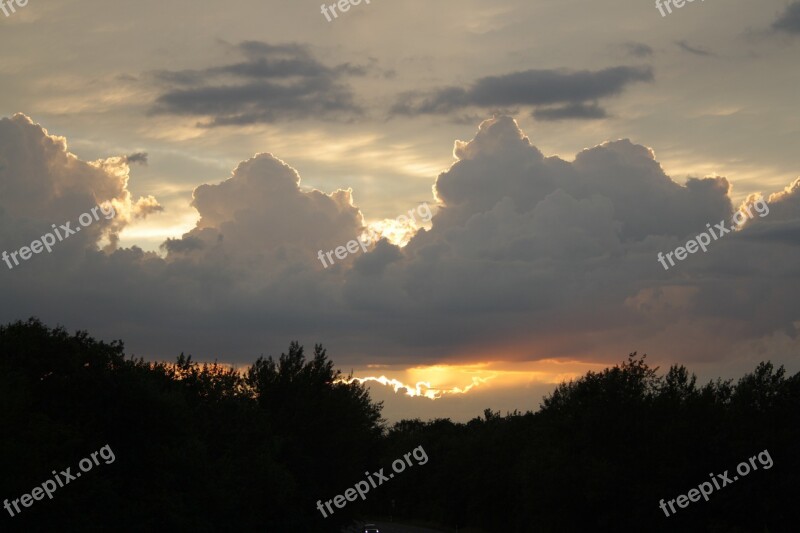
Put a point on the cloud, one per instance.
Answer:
(272, 83)
(637, 49)
(260, 216)
(528, 257)
(42, 183)
(530, 87)
(146, 206)
(686, 47)
(789, 20)
(138, 157)
(571, 111)
(531, 255)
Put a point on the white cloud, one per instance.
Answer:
(43, 183)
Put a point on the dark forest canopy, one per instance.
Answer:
(205, 448)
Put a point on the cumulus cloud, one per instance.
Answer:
(262, 217)
(42, 183)
(270, 83)
(532, 255)
(528, 257)
(530, 88)
(145, 206)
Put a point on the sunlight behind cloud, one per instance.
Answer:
(434, 382)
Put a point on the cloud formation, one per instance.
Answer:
(261, 220)
(42, 183)
(271, 83)
(529, 257)
(138, 157)
(789, 20)
(574, 89)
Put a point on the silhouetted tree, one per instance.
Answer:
(198, 447)
(206, 448)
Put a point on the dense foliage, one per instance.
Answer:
(603, 450)
(198, 448)
(205, 448)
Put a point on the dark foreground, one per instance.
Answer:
(204, 449)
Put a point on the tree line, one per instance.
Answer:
(202, 447)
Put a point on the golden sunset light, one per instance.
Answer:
(373, 266)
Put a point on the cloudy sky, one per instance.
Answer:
(560, 144)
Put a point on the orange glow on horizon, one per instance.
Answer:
(436, 381)
(422, 388)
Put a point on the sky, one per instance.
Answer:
(514, 169)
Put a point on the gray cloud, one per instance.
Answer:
(525, 242)
(571, 111)
(528, 257)
(686, 47)
(272, 83)
(182, 245)
(138, 157)
(789, 20)
(530, 87)
(638, 49)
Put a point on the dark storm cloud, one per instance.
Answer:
(686, 47)
(272, 83)
(789, 20)
(571, 111)
(530, 87)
